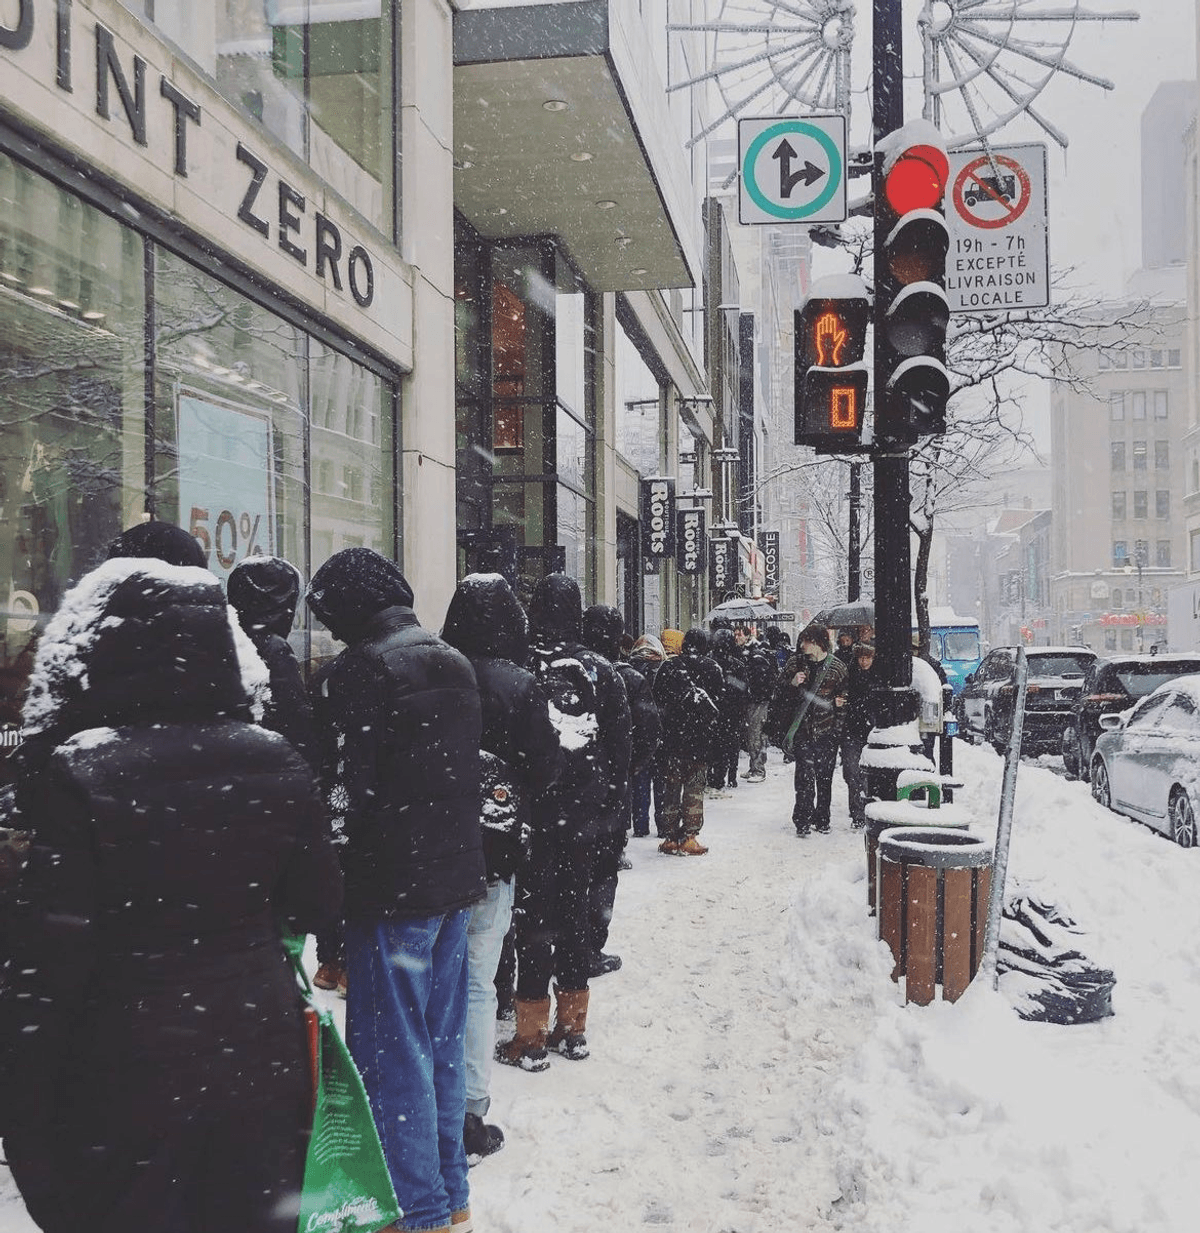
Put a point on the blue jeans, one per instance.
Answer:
(489, 922)
(406, 1013)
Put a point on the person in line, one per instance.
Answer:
(780, 645)
(761, 672)
(846, 638)
(486, 622)
(159, 541)
(399, 716)
(684, 691)
(859, 720)
(589, 709)
(264, 592)
(732, 706)
(602, 632)
(672, 642)
(157, 1073)
(645, 778)
(806, 718)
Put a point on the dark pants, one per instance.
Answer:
(554, 892)
(639, 799)
(855, 776)
(606, 859)
(727, 745)
(815, 760)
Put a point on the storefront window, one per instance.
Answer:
(316, 73)
(72, 395)
(639, 432)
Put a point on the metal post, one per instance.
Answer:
(854, 584)
(893, 586)
(1008, 796)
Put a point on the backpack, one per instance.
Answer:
(689, 710)
(574, 713)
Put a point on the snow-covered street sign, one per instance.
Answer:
(999, 254)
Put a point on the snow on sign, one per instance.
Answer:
(792, 170)
(999, 254)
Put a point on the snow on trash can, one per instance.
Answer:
(933, 885)
(884, 815)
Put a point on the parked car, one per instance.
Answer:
(1147, 760)
(1113, 685)
(988, 697)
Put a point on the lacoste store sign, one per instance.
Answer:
(105, 89)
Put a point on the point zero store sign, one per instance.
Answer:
(105, 83)
(768, 542)
(720, 564)
(999, 255)
(657, 520)
(690, 541)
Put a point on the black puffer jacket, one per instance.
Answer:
(486, 623)
(171, 840)
(399, 718)
(264, 591)
(602, 629)
(687, 690)
(593, 780)
(735, 693)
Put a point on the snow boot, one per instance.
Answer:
(692, 846)
(480, 1139)
(570, 1024)
(527, 1049)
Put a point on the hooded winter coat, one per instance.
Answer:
(688, 690)
(158, 1061)
(592, 781)
(399, 719)
(486, 623)
(602, 629)
(264, 591)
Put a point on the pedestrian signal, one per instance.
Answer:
(831, 374)
(911, 309)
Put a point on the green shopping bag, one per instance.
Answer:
(347, 1187)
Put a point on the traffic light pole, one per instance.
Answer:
(897, 702)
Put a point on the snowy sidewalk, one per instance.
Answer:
(754, 1071)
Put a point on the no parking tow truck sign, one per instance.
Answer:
(793, 170)
(999, 254)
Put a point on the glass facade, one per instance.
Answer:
(525, 391)
(134, 382)
(317, 74)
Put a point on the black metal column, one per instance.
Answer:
(893, 569)
(854, 533)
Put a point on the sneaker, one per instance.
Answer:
(803, 832)
(691, 846)
(754, 776)
(822, 830)
(602, 964)
(329, 976)
(669, 846)
(623, 864)
(480, 1139)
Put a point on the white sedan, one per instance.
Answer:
(1146, 763)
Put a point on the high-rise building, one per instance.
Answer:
(1170, 112)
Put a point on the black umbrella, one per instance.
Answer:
(856, 612)
(741, 611)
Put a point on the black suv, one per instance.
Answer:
(985, 705)
(1113, 685)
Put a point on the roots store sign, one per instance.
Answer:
(88, 77)
(657, 521)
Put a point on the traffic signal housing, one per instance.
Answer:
(831, 373)
(911, 309)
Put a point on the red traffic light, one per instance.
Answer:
(917, 179)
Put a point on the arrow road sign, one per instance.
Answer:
(793, 170)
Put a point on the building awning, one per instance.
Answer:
(559, 130)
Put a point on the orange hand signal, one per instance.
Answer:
(830, 338)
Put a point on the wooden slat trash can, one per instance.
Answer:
(934, 884)
(882, 815)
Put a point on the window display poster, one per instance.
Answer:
(225, 484)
